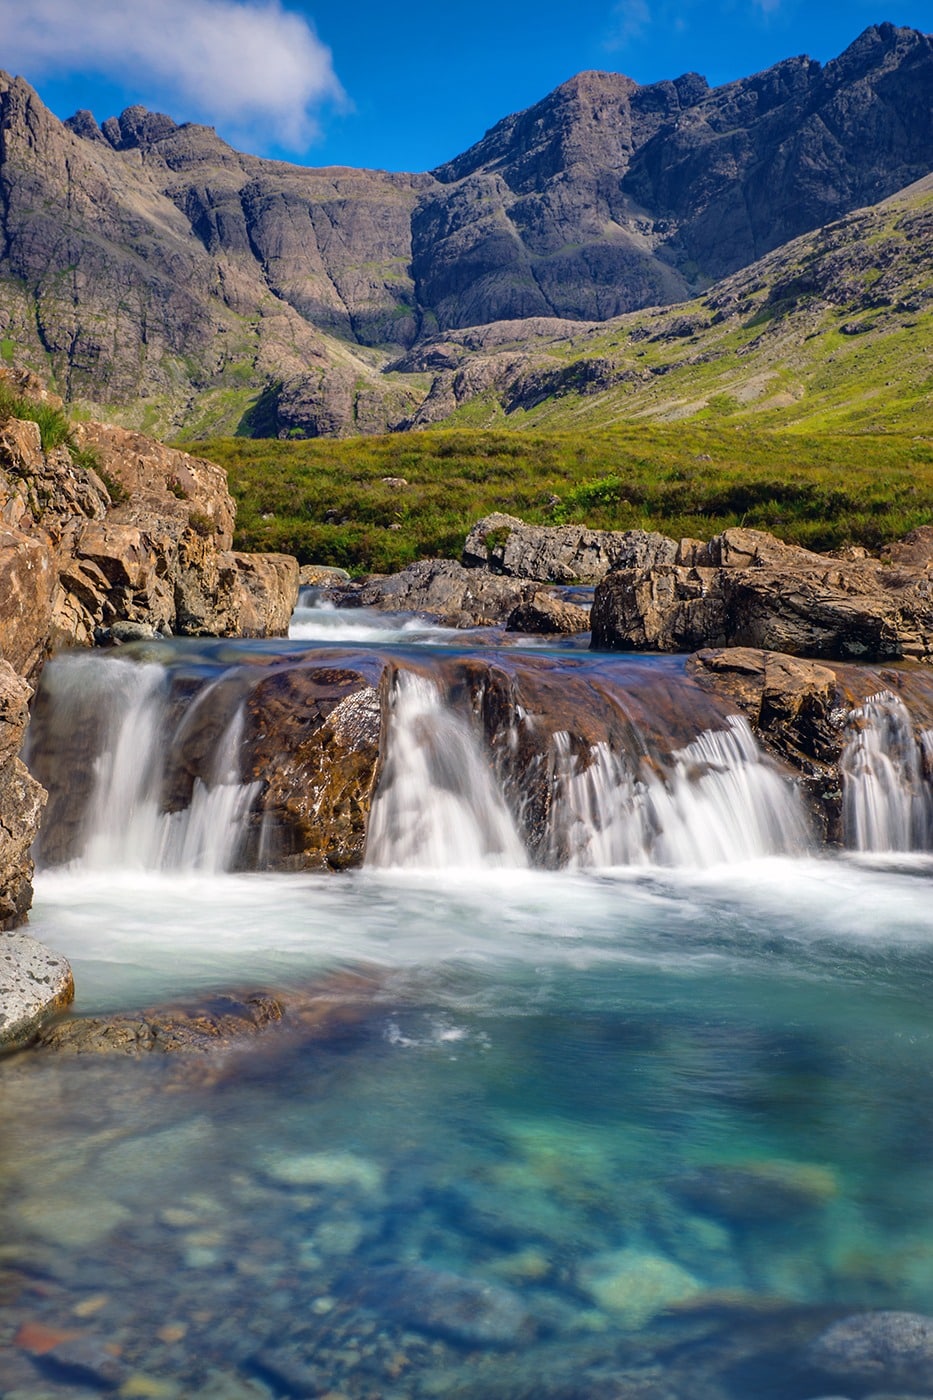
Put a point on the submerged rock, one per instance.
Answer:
(635, 1285)
(753, 1191)
(889, 1350)
(466, 1311)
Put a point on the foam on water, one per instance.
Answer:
(887, 796)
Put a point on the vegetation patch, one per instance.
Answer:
(324, 500)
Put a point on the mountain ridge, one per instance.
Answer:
(152, 270)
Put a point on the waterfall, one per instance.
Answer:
(717, 801)
(126, 826)
(438, 803)
(887, 801)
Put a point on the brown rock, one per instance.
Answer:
(543, 613)
(800, 711)
(766, 594)
(21, 801)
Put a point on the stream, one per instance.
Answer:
(630, 1092)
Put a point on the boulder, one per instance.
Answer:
(35, 985)
(460, 596)
(543, 613)
(561, 553)
(753, 590)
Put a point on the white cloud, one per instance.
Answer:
(630, 19)
(249, 65)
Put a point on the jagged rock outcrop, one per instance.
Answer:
(561, 553)
(21, 801)
(194, 282)
(154, 548)
(137, 546)
(747, 588)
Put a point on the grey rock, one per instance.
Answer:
(444, 588)
(35, 984)
(891, 1350)
(561, 553)
(463, 1310)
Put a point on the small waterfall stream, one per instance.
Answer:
(126, 825)
(887, 795)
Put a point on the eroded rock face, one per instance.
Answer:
(748, 588)
(21, 803)
(153, 549)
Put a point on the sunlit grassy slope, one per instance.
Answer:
(327, 500)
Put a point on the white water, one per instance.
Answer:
(719, 801)
(887, 800)
(126, 827)
(438, 804)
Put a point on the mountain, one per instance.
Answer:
(165, 279)
(833, 329)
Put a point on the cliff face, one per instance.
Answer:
(155, 267)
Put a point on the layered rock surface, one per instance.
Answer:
(747, 588)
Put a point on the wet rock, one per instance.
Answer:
(21, 803)
(84, 1361)
(80, 1219)
(561, 553)
(757, 591)
(324, 1169)
(447, 590)
(800, 711)
(889, 1350)
(635, 1285)
(35, 984)
(184, 1030)
(466, 1311)
(757, 1191)
(289, 1371)
(545, 614)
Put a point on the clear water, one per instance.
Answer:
(628, 1130)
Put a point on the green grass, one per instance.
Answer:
(324, 501)
(53, 423)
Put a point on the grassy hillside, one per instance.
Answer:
(327, 501)
(832, 331)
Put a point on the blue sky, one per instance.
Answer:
(401, 86)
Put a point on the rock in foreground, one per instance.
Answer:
(35, 984)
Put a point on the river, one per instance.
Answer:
(634, 1106)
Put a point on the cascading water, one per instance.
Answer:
(887, 798)
(717, 802)
(438, 803)
(126, 826)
